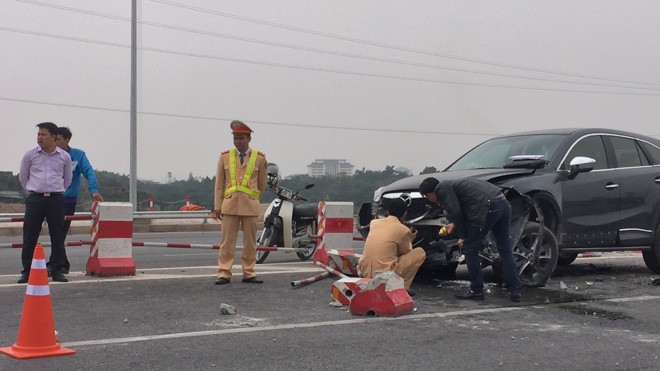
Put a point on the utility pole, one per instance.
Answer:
(133, 113)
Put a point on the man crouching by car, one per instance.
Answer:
(389, 247)
(474, 207)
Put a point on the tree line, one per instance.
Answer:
(357, 188)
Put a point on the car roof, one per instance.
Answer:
(581, 131)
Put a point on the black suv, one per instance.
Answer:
(594, 189)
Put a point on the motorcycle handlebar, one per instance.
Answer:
(285, 193)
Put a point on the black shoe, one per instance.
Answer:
(252, 280)
(24, 278)
(515, 297)
(222, 281)
(411, 292)
(59, 277)
(471, 295)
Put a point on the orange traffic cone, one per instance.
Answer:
(36, 332)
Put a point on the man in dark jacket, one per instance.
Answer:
(474, 207)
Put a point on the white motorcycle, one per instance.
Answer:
(287, 225)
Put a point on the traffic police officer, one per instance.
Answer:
(240, 179)
(389, 246)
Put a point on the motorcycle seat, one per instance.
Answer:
(305, 210)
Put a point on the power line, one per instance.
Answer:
(326, 52)
(271, 123)
(389, 46)
(208, 118)
(316, 69)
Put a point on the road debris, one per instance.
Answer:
(227, 309)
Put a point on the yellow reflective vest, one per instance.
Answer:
(243, 185)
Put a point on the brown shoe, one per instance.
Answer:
(222, 281)
(252, 280)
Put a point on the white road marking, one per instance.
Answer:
(290, 326)
(609, 257)
(263, 270)
(283, 327)
(199, 254)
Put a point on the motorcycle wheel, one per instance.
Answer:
(533, 274)
(306, 255)
(268, 235)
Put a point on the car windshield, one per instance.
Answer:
(494, 153)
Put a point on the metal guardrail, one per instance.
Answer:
(171, 214)
(202, 214)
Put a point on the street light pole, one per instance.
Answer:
(133, 112)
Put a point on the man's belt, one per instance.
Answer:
(47, 194)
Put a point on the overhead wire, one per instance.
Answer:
(271, 123)
(327, 52)
(276, 65)
(326, 70)
(390, 46)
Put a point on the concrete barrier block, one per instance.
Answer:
(344, 290)
(384, 296)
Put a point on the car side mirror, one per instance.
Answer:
(581, 164)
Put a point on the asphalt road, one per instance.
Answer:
(168, 317)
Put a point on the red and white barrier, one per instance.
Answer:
(307, 281)
(335, 224)
(46, 244)
(384, 296)
(331, 270)
(66, 217)
(112, 232)
(344, 261)
(345, 289)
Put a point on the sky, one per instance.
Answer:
(379, 83)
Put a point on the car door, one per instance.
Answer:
(638, 190)
(590, 201)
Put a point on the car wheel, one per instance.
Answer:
(652, 257)
(535, 272)
(566, 258)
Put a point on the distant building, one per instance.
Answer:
(329, 167)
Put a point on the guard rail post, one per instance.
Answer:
(111, 252)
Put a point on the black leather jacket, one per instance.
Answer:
(466, 201)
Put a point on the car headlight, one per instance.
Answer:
(377, 194)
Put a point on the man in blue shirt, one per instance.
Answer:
(81, 167)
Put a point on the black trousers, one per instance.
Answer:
(38, 208)
(69, 209)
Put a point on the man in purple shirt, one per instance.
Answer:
(45, 174)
